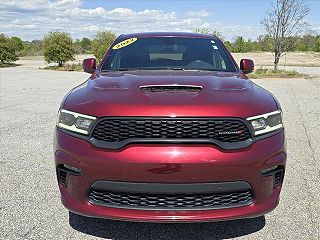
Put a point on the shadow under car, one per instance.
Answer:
(121, 230)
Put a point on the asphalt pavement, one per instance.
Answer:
(30, 205)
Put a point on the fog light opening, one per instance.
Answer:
(277, 172)
(63, 172)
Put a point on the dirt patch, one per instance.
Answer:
(261, 59)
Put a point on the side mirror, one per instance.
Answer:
(89, 65)
(246, 65)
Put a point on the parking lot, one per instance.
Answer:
(30, 205)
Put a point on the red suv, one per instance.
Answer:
(168, 128)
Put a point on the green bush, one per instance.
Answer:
(261, 70)
(8, 49)
(101, 42)
(239, 45)
(271, 73)
(317, 44)
(58, 47)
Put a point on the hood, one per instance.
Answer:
(170, 93)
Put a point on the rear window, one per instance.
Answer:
(168, 53)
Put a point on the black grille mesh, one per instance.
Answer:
(278, 178)
(170, 201)
(117, 130)
(63, 177)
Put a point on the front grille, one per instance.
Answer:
(115, 130)
(170, 201)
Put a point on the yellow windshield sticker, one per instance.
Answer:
(124, 43)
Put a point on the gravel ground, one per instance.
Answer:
(30, 205)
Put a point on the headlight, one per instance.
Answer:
(266, 123)
(75, 122)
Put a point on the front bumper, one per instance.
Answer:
(166, 164)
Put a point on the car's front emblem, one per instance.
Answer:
(230, 132)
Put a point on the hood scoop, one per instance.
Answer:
(171, 88)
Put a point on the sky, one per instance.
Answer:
(32, 19)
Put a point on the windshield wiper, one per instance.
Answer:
(120, 69)
(161, 68)
(178, 68)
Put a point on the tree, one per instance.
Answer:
(18, 43)
(253, 46)
(33, 48)
(77, 47)
(317, 44)
(86, 44)
(101, 42)
(265, 43)
(229, 46)
(284, 19)
(58, 47)
(239, 45)
(8, 49)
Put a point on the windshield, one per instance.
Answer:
(171, 53)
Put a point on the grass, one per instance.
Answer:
(3, 65)
(271, 73)
(66, 67)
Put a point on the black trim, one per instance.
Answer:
(74, 134)
(172, 88)
(267, 135)
(169, 188)
(118, 145)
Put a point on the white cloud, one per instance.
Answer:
(65, 3)
(25, 4)
(35, 18)
(90, 28)
(201, 13)
(80, 12)
(121, 12)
